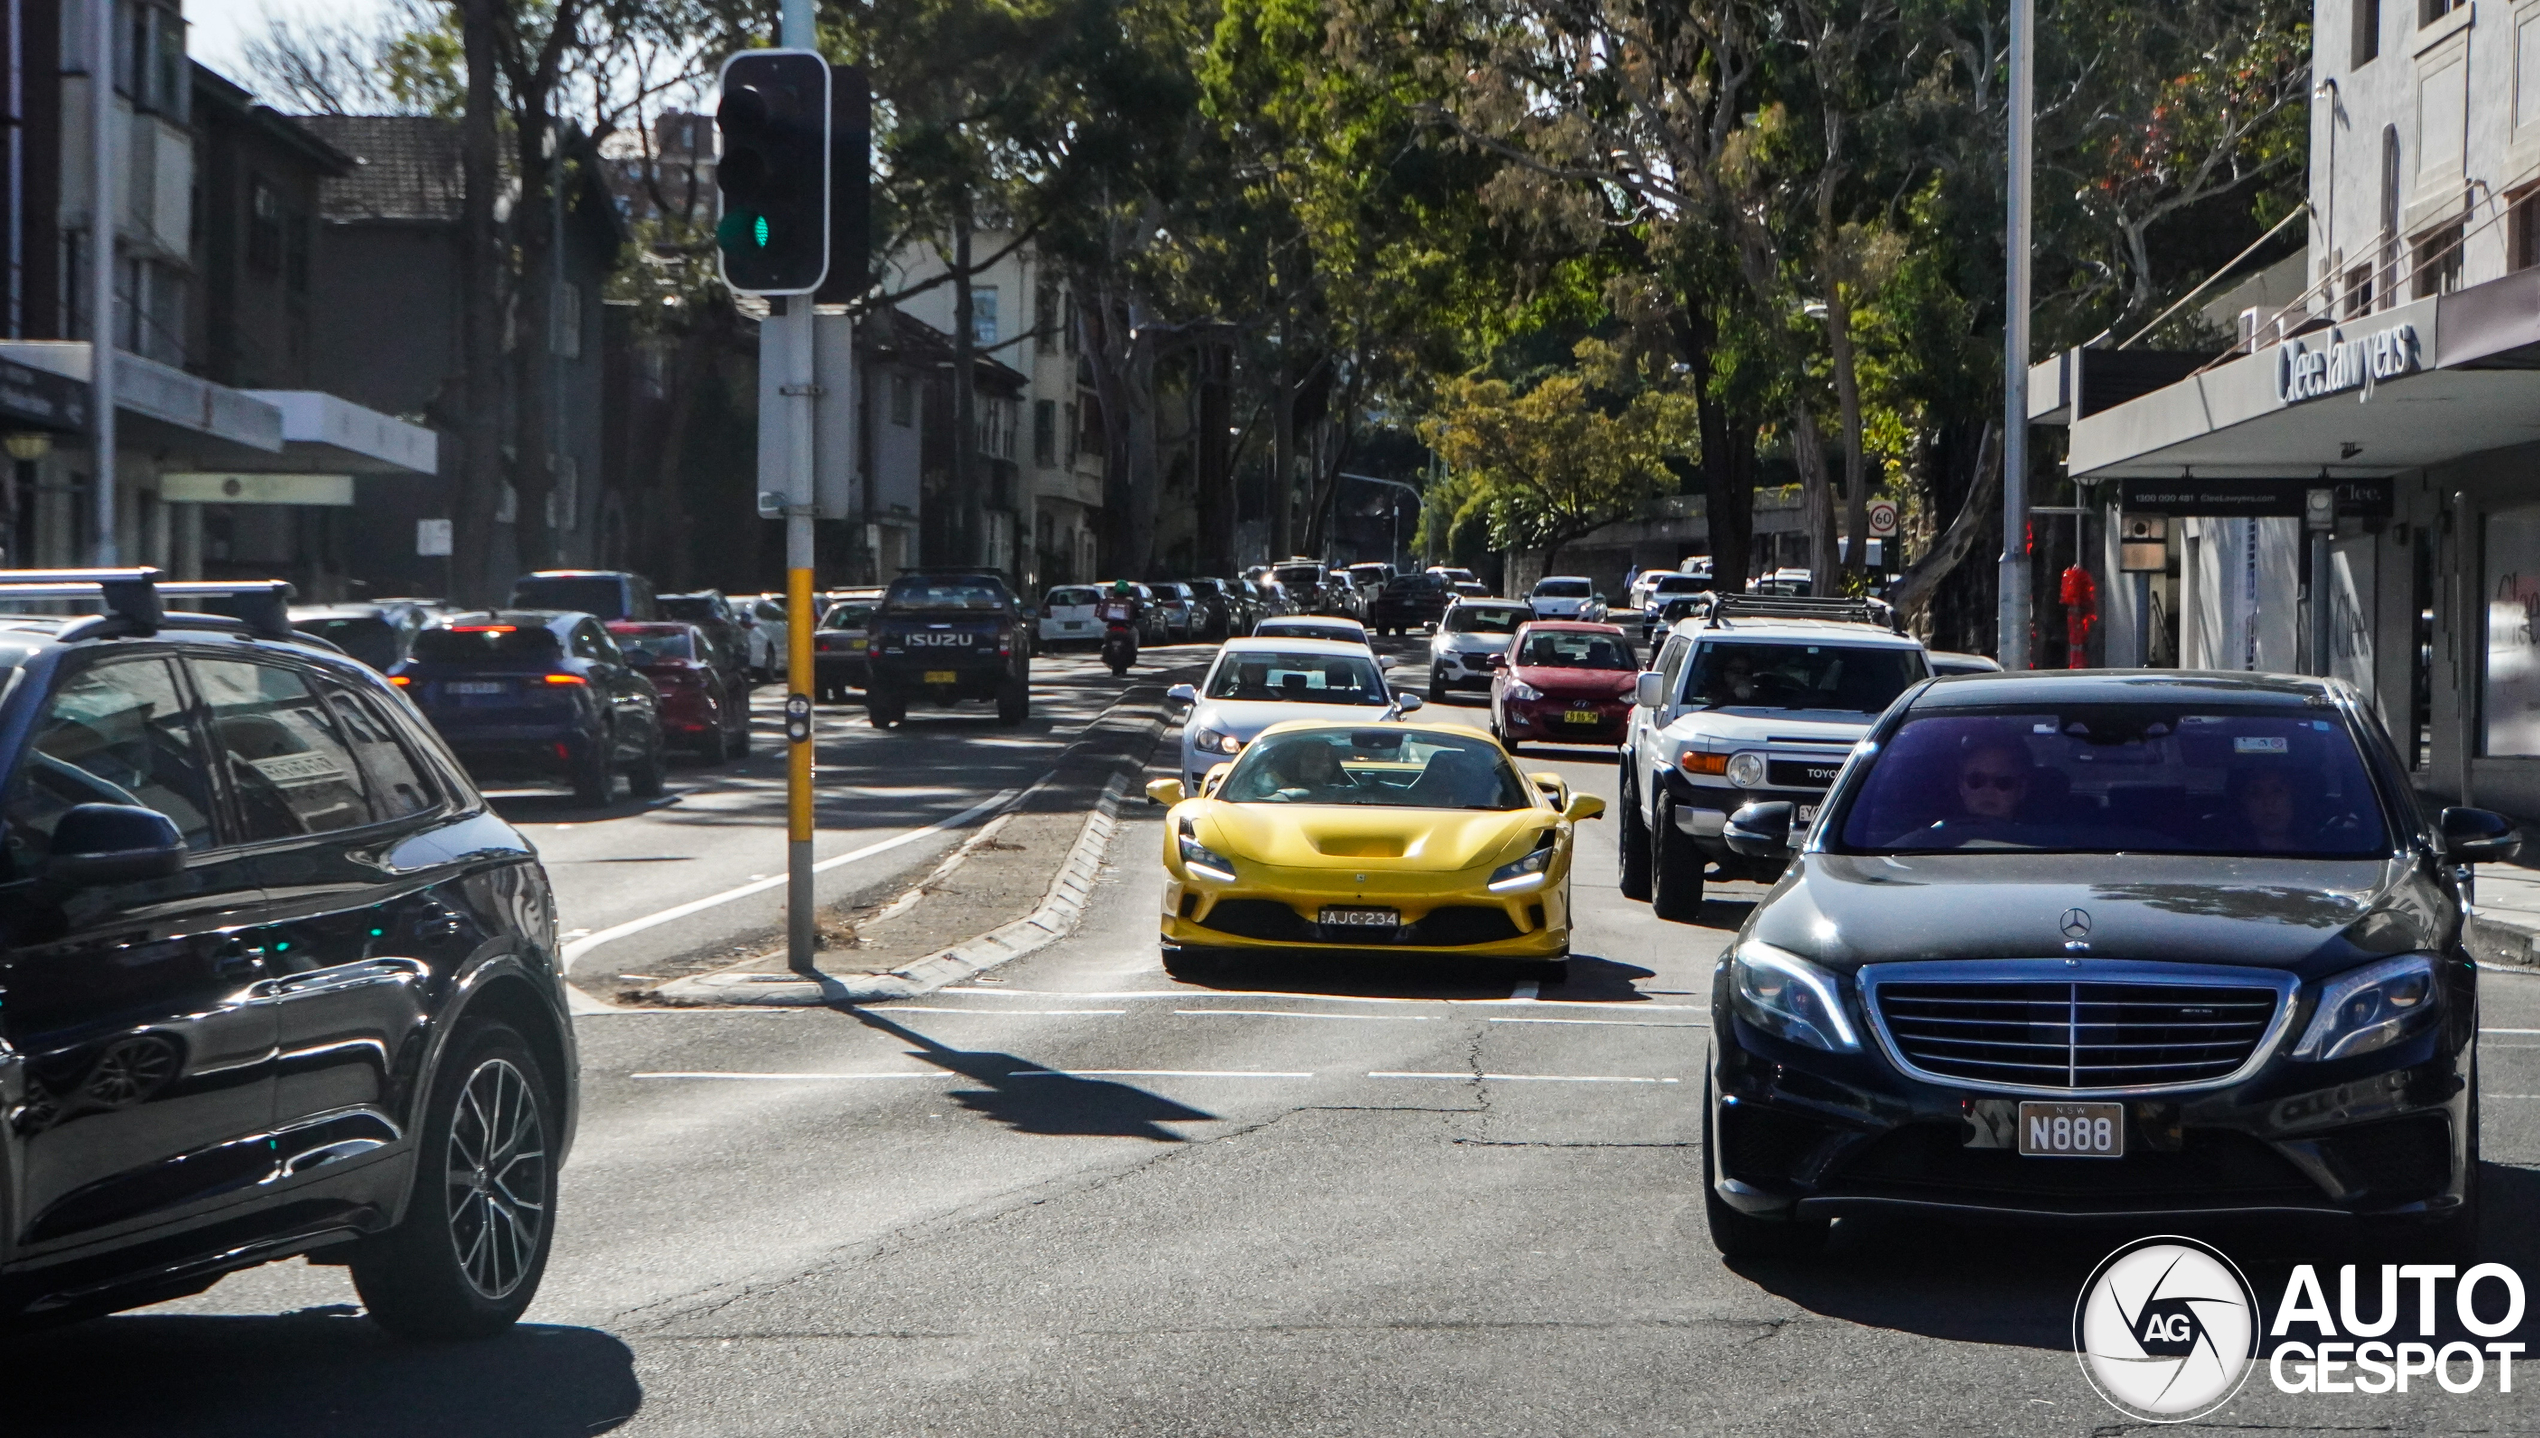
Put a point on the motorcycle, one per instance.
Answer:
(1119, 643)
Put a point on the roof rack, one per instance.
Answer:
(1725, 607)
(135, 601)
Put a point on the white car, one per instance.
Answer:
(1657, 586)
(1069, 615)
(1567, 596)
(1468, 634)
(1314, 626)
(1257, 682)
(771, 650)
(1173, 603)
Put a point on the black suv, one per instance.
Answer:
(2124, 947)
(278, 981)
(533, 694)
(945, 635)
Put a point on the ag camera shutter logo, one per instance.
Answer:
(2166, 1329)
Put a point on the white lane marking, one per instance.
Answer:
(1526, 992)
(1189, 995)
(1524, 1078)
(2509, 1031)
(915, 1009)
(1605, 1023)
(575, 950)
(789, 1078)
(1153, 1073)
(1300, 1014)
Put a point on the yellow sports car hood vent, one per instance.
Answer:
(1305, 836)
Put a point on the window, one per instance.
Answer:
(903, 401)
(2359, 291)
(983, 314)
(114, 733)
(565, 323)
(397, 785)
(1387, 767)
(1045, 432)
(1071, 436)
(264, 226)
(1067, 320)
(2366, 42)
(2435, 265)
(2522, 232)
(2429, 11)
(1045, 312)
(587, 640)
(288, 766)
(1842, 678)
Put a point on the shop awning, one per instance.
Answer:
(161, 407)
(2420, 384)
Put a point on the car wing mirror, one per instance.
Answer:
(1759, 831)
(114, 844)
(1167, 792)
(1388, 662)
(1182, 694)
(1649, 689)
(1405, 703)
(1583, 806)
(1496, 661)
(2479, 836)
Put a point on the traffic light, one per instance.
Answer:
(774, 173)
(850, 187)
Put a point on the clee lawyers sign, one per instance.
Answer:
(2249, 498)
(2328, 363)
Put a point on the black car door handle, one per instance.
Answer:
(236, 960)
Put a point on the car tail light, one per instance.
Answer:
(400, 680)
(484, 629)
(566, 679)
(1704, 763)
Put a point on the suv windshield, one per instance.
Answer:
(1681, 584)
(2108, 778)
(1486, 619)
(475, 643)
(1563, 589)
(1297, 678)
(947, 591)
(1294, 574)
(1756, 675)
(1386, 768)
(603, 597)
(1570, 649)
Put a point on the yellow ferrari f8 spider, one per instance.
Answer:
(1358, 837)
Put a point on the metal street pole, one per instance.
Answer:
(2013, 621)
(788, 338)
(103, 194)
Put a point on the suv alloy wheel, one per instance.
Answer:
(467, 1258)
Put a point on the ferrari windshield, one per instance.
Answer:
(2110, 778)
(1384, 768)
(1303, 677)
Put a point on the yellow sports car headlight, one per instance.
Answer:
(1202, 860)
(1527, 872)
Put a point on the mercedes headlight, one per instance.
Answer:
(1784, 994)
(2372, 1008)
(1520, 689)
(1746, 770)
(1211, 741)
(1204, 861)
(1527, 872)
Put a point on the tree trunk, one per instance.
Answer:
(533, 343)
(1816, 493)
(1954, 544)
(968, 492)
(1847, 393)
(480, 477)
(1728, 458)
(1283, 451)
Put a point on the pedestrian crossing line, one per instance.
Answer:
(1521, 1078)
(789, 1077)
(1191, 995)
(1605, 1023)
(1302, 1014)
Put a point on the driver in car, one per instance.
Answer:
(1993, 782)
(1310, 773)
(1734, 681)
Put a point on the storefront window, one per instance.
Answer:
(2510, 713)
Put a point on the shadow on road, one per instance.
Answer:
(2018, 1285)
(1028, 1098)
(318, 1371)
(1381, 974)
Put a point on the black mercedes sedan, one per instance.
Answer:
(2104, 946)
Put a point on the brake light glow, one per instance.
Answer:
(484, 629)
(566, 679)
(1704, 763)
(400, 680)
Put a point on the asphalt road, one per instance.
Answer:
(1295, 1198)
(723, 828)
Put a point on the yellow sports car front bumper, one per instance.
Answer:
(1284, 908)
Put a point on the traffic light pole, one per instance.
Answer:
(787, 338)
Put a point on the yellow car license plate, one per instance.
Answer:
(2072, 1130)
(941, 676)
(1582, 716)
(1337, 918)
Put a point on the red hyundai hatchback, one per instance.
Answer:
(1563, 682)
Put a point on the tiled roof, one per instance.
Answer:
(407, 167)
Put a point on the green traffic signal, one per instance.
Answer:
(758, 231)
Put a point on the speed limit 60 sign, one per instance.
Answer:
(1882, 518)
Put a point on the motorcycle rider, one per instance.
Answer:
(1118, 612)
